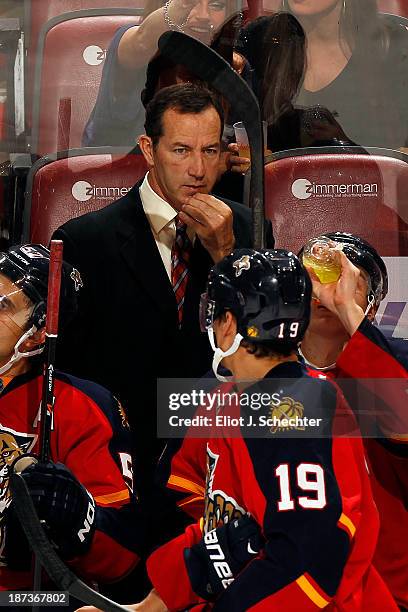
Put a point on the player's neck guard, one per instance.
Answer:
(220, 354)
(17, 355)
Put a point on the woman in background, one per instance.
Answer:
(339, 75)
(117, 118)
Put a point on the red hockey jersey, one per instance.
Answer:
(369, 355)
(311, 497)
(91, 437)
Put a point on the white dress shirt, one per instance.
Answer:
(162, 219)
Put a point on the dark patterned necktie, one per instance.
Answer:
(180, 256)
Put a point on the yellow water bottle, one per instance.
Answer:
(319, 254)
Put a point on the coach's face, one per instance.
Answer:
(185, 160)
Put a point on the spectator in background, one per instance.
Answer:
(118, 115)
(345, 82)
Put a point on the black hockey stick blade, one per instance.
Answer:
(210, 67)
(44, 551)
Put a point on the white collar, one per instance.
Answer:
(159, 212)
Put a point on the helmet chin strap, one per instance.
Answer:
(371, 302)
(17, 355)
(220, 354)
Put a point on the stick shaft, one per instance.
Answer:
(51, 334)
(47, 399)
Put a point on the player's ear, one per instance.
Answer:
(146, 147)
(229, 324)
(37, 339)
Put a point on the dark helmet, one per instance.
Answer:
(28, 266)
(268, 291)
(364, 256)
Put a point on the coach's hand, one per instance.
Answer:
(64, 504)
(211, 220)
(213, 563)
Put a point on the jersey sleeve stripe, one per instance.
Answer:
(347, 524)
(186, 484)
(112, 497)
(310, 590)
(190, 500)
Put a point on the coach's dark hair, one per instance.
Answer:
(184, 98)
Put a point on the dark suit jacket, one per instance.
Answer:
(126, 335)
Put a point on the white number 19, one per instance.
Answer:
(293, 329)
(315, 485)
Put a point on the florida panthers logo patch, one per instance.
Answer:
(13, 444)
(219, 507)
(76, 278)
(241, 264)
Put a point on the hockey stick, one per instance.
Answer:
(47, 399)
(45, 554)
(218, 74)
(51, 335)
(55, 568)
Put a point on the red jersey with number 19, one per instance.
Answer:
(310, 495)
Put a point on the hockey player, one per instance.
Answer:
(84, 494)
(310, 495)
(342, 341)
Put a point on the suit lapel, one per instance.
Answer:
(140, 253)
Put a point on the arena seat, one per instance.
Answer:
(312, 191)
(67, 185)
(71, 52)
(394, 7)
(38, 12)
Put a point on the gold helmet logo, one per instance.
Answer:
(252, 331)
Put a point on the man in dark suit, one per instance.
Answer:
(144, 261)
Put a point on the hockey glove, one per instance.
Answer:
(64, 504)
(222, 553)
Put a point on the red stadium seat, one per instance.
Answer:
(395, 7)
(309, 192)
(36, 15)
(70, 59)
(68, 185)
(38, 12)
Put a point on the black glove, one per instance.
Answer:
(213, 563)
(67, 508)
